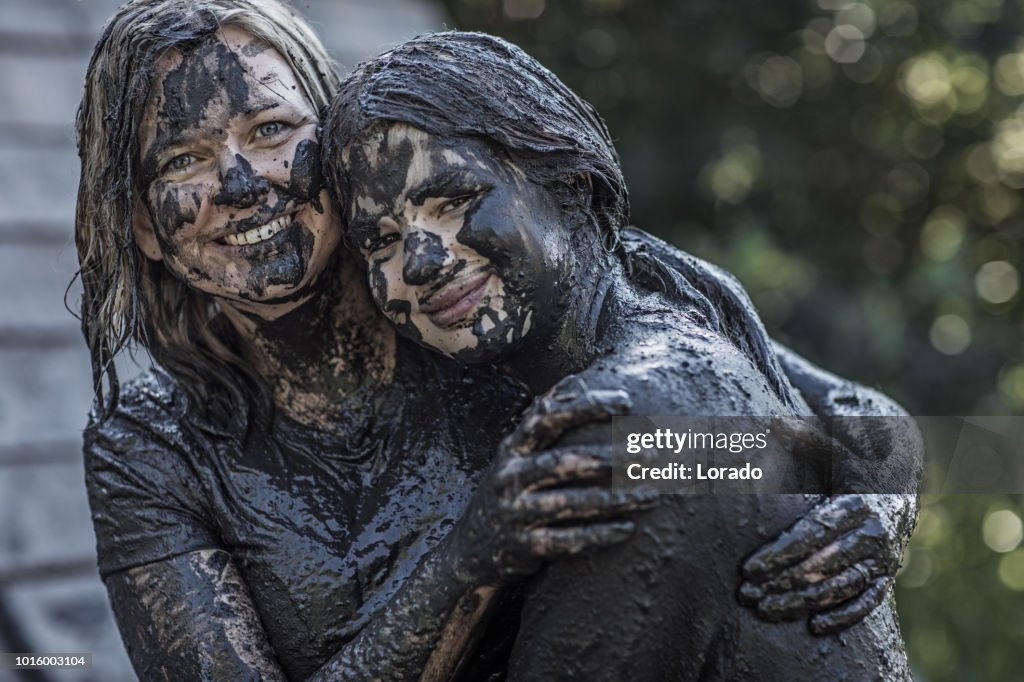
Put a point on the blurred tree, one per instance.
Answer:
(858, 165)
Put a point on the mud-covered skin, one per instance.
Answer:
(334, 514)
(439, 222)
(855, 560)
(530, 507)
(680, 365)
(228, 144)
(665, 598)
(350, 552)
(225, 512)
(196, 603)
(847, 549)
(338, 537)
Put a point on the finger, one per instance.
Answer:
(860, 545)
(559, 542)
(835, 590)
(554, 467)
(750, 594)
(567, 408)
(852, 612)
(581, 503)
(821, 526)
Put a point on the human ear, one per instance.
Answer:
(145, 235)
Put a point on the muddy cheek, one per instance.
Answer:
(171, 208)
(379, 288)
(397, 310)
(489, 230)
(306, 181)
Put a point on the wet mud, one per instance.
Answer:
(675, 334)
(336, 530)
(459, 208)
(240, 187)
(205, 89)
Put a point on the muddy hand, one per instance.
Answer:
(836, 563)
(568, 405)
(542, 506)
(540, 502)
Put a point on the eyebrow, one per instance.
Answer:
(455, 180)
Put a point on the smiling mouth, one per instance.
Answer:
(454, 302)
(261, 233)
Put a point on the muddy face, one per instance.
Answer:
(234, 203)
(464, 253)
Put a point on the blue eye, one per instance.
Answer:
(270, 129)
(180, 162)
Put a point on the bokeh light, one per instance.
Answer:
(780, 81)
(1008, 150)
(1009, 74)
(943, 233)
(1002, 531)
(950, 334)
(845, 44)
(917, 568)
(997, 281)
(859, 167)
(1011, 570)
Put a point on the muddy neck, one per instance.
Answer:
(567, 343)
(328, 355)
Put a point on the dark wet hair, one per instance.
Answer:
(127, 298)
(454, 84)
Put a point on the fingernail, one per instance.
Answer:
(823, 625)
(750, 594)
(753, 568)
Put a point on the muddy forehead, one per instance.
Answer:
(209, 73)
(392, 166)
(221, 77)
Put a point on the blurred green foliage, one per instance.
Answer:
(859, 167)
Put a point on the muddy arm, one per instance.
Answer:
(839, 560)
(191, 617)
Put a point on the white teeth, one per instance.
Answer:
(258, 234)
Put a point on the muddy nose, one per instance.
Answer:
(424, 257)
(240, 186)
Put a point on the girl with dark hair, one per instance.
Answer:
(488, 203)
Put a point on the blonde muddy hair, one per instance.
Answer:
(129, 300)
